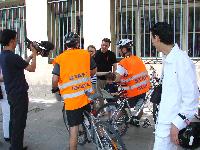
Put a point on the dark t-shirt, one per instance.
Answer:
(56, 69)
(13, 72)
(104, 62)
(111, 88)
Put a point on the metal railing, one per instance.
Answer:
(65, 16)
(15, 18)
(133, 18)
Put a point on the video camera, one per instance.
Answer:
(43, 48)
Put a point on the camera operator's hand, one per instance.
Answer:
(33, 49)
(31, 67)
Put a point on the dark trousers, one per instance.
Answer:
(18, 116)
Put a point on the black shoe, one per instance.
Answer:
(7, 139)
(25, 147)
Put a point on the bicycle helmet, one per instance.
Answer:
(125, 43)
(71, 39)
(189, 137)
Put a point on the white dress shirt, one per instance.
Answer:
(179, 91)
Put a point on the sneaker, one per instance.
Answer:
(25, 147)
(7, 139)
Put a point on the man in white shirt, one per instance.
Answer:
(179, 88)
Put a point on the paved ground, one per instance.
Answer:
(46, 131)
(45, 128)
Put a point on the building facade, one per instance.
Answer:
(124, 19)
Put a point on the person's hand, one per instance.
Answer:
(33, 49)
(174, 134)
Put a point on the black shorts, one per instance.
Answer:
(134, 100)
(75, 117)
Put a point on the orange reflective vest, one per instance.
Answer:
(137, 81)
(74, 78)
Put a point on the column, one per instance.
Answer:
(96, 21)
(36, 19)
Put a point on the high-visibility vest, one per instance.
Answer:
(74, 78)
(137, 80)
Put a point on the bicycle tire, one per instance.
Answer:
(65, 118)
(112, 139)
(122, 124)
(82, 137)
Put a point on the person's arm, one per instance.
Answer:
(186, 78)
(28, 59)
(189, 92)
(119, 73)
(55, 80)
(31, 67)
(118, 77)
(114, 67)
(55, 77)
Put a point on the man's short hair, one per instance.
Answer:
(164, 31)
(6, 36)
(106, 40)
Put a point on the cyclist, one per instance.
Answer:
(71, 73)
(132, 72)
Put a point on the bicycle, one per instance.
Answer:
(120, 114)
(154, 80)
(99, 133)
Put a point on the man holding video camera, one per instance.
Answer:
(15, 84)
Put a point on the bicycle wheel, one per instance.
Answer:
(65, 118)
(118, 120)
(82, 136)
(109, 139)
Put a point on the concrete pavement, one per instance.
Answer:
(46, 131)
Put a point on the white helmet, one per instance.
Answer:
(125, 42)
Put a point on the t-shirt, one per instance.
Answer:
(111, 88)
(104, 62)
(56, 69)
(94, 79)
(13, 72)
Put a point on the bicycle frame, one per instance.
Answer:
(92, 132)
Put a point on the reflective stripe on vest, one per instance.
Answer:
(76, 94)
(74, 82)
(135, 76)
(135, 86)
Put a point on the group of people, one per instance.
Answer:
(77, 72)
